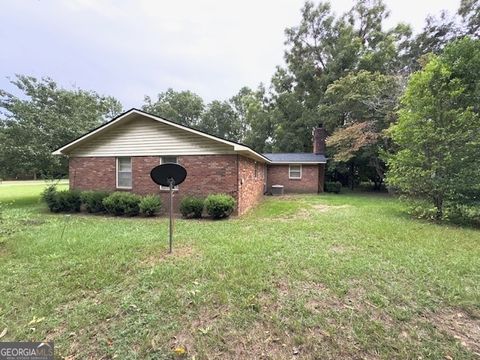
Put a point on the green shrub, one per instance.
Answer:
(93, 201)
(68, 201)
(150, 205)
(422, 210)
(122, 203)
(61, 201)
(49, 196)
(191, 207)
(461, 214)
(333, 186)
(219, 205)
(467, 214)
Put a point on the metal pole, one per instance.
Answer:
(67, 217)
(171, 214)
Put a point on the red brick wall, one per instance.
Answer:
(321, 177)
(250, 187)
(142, 183)
(92, 173)
(207, 174)
(309, 183)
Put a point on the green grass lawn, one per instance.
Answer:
(308, 277)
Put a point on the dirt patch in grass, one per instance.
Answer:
(318, 297)
(97, 333)
(62, 329)
(464, 327)
(206, 323)
(340, 249)
(321, 299)
(320, 208)
(291, 197)
(83, 297)
(271, 301)
(308, 211)
(262, 341)
(324, 208)
(325, 338)
(300, 214)
(32, 222)
(163, 255)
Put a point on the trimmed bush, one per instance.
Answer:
(62, 201)
(93, 201)
(191, 207)
(150, 205)
(219, 206)
(333, 186)
(49, 196)
(122, 203)
(69, 200)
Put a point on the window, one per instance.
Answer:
(168, 159)
(124, 173)
(164, 160)
(295, 171)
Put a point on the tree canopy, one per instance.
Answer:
(184, 107)
(42, 118)
(438, 131)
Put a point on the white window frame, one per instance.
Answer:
(167, 188)
(290, 169)
(117, 169)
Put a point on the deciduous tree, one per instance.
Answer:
(322, 49)
(220, 119)
(438, 132)
(357, 110)
(42, 118)
(253, 113)
(184, 107)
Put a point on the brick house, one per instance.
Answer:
(118, 156)
(299, 172)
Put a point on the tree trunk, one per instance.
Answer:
(380, 170)
(352, 175)
(438, 201)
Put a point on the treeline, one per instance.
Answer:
(345, 71)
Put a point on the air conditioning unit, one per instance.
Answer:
(277, 190)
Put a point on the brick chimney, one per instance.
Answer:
(319, 136)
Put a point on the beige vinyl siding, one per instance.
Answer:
(143, 137)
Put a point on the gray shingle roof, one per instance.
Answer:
(296, 158)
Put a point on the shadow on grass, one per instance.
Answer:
(26, 201)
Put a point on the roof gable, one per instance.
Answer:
(136, 133)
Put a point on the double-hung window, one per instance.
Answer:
(124, 173)
(295, 171)
(164, 160)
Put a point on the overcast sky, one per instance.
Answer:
(133, 48)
